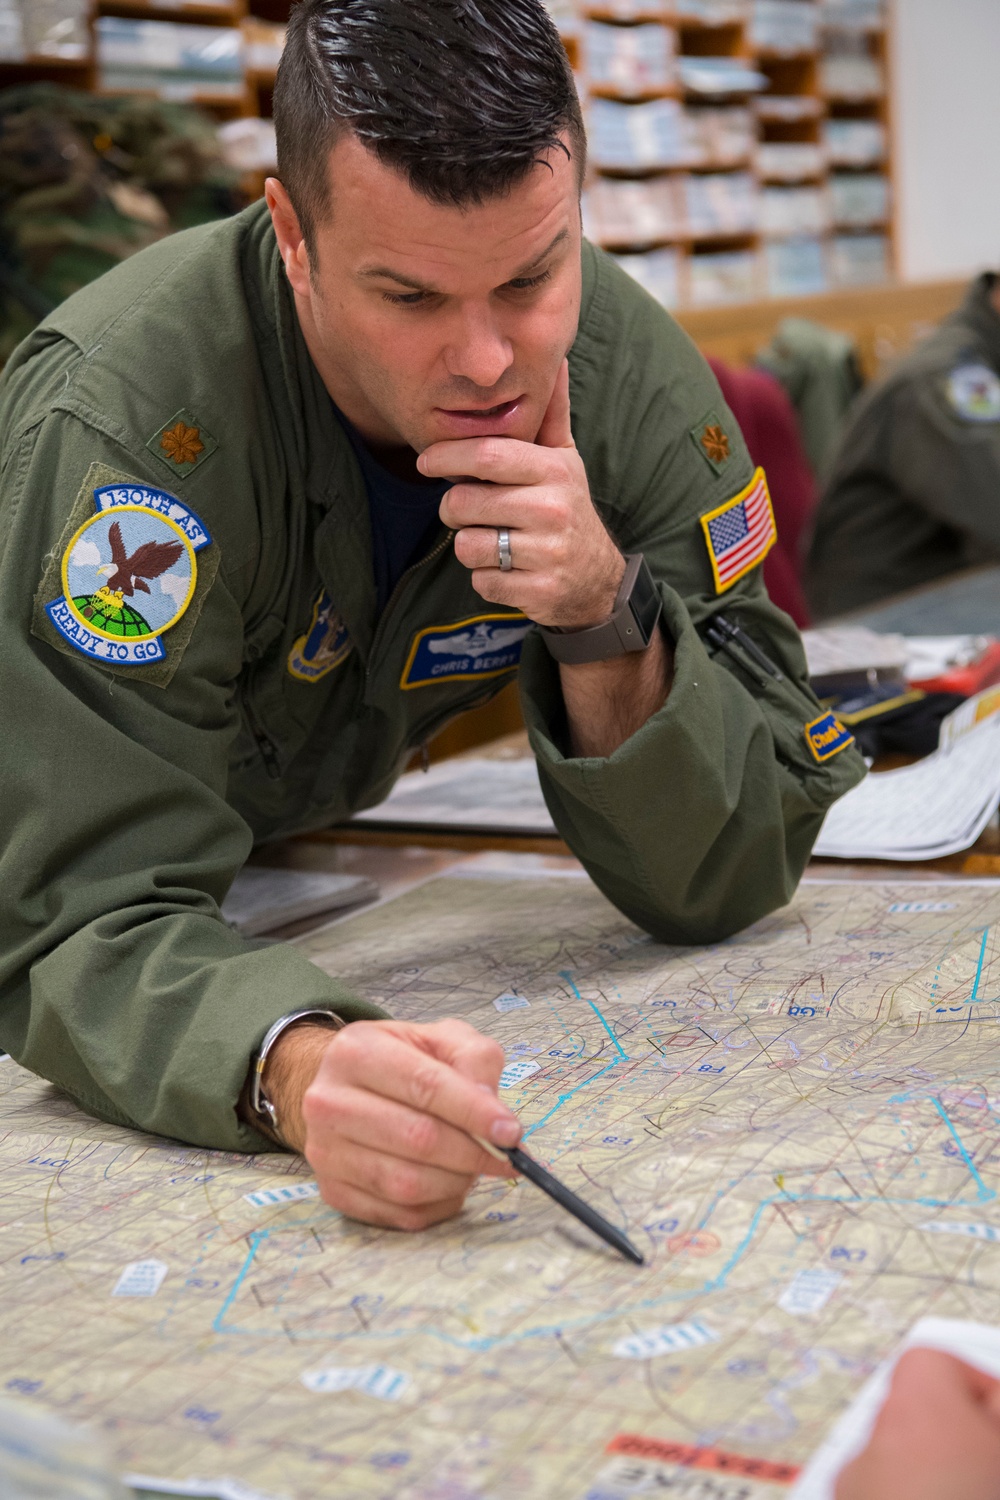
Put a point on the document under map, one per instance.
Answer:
(938, 806)
(470, 794)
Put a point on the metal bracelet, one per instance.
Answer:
(260, 1104)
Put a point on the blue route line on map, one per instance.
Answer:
(623, 1055)
(563, 1097)
(646, 1304)
(985, 1194)
(973, 998)
(712, 1284)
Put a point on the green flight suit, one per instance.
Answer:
(914, 493)
(133, 793)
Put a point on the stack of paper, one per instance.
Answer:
(262, 899)
(936, 807)
(502, 796)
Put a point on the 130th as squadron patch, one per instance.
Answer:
(128, 575)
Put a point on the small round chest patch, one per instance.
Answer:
(974, 393)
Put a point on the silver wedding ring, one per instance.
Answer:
(503, 547)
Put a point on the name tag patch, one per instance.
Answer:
(740, 534)
(128, 575)
(323, 647)
(826, 737)
(481, 647)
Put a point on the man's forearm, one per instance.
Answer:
(607, 701)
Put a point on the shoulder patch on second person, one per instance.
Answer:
(740, 533)
(712, 441)
(973, 392)
(826, 737)
(480, 647)
(324, 646)
(125, 575)
(182, 443)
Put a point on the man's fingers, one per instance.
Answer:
(540, 508)
(356, 1117)
(408, 1184)
(478, 547)
(356, 1203)
(498, 460)
(370, 1056)
(555, 431)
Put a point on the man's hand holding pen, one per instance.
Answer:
(385, 1112)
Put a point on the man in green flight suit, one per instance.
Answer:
(238, 589)
(914, 493)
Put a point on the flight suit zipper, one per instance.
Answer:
(265, 745)
(380, 629)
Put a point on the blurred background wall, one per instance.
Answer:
(946, 107)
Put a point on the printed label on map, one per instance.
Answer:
(141, 1278)
(517, 1072)
(809, 1291)
(900, 906)
(971, 1231)
(510, 1001)
(380, 1381)
(268, 1197)
(671, 1338)
(645, 1466)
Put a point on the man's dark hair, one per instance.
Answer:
(461, 96)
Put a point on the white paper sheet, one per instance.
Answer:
(977, 1343)
(938, 806)
(492, 795)
(262, 899)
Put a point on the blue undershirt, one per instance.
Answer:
(403, 513)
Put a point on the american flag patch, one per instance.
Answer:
(741, 533)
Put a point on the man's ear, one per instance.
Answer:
(288, 232)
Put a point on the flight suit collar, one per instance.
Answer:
(979, 315)
(325, 470)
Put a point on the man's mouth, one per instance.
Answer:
(482, 413)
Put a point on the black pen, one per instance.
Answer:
(561, 1194)
(736, 633)
(722, 644)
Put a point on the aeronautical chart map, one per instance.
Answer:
(800, 1128)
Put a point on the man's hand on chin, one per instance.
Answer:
(566, 568)
(384, 1113)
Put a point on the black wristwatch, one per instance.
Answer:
(633, 620)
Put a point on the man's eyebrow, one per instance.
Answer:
(539, 260)
(385, 273)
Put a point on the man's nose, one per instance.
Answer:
(478, 350)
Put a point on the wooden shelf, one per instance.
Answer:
(149, 10)
(795, 73)
(645, 97)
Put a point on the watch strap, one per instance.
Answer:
(260, 1104)
(621, 632)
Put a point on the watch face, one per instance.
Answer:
(644, 603)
